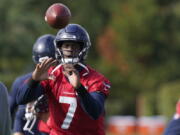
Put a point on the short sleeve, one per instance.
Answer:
(99, 84)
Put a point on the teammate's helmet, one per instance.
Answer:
(74, 33)
(43, 48)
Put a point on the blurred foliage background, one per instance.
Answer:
(135, 44)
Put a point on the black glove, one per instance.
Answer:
(41, 104)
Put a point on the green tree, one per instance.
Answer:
(147, 44)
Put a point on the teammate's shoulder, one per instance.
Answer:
(3, 89)
(23, 77)
(2, 86)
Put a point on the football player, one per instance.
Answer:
(173, 127)
(76, 92)
(25, 118)
(5, 120)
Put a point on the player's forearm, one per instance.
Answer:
(19, 120)
(12, 104)
(92, 103)
(28, 92)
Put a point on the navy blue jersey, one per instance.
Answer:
(19, 116)
(173, 127)
(20, 121)
(14, 90)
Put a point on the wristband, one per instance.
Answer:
(81, 90)
(32, 83)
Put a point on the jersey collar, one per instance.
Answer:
(82, 68)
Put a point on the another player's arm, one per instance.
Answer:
(14, 91)
(12, 97)
(19, 121)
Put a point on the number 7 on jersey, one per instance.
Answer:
(72, 108)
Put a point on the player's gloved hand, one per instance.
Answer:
(41, 71)
(41, 104)
(72, 74)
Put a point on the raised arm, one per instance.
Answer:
(32, 89)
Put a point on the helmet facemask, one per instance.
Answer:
(70, 56)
